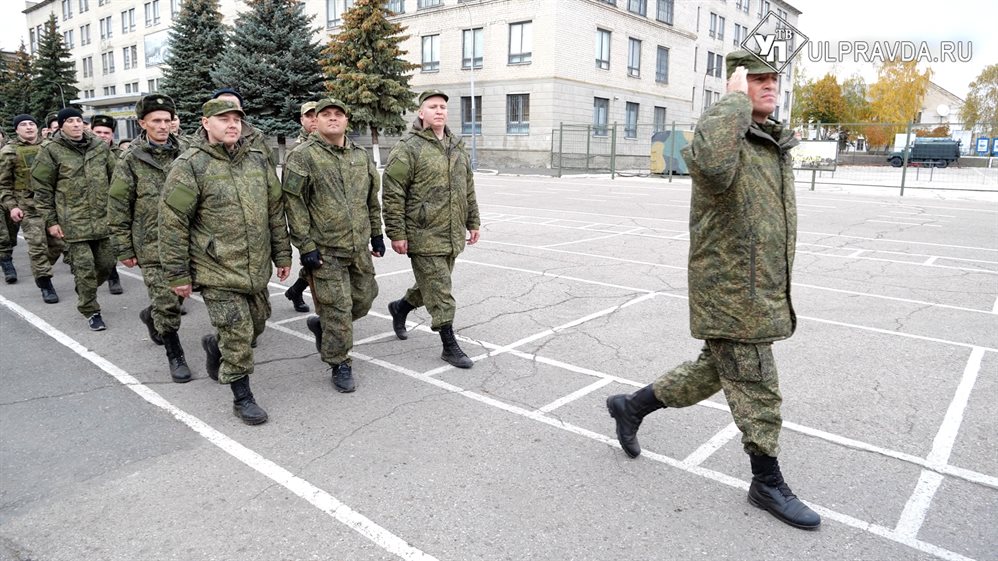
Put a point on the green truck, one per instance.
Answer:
(932, 152)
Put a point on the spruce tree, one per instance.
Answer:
(53, 83)
(365, 69)
(15, 88)
(197, 40)
(273, 62)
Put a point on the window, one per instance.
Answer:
(88, 94)
(420, 4)
(396, 6)
(107, 62)
(518, 114)
(473, 41)
(103, 2)
(67, 38)
(132, 88)
(335, 10)
(633, 57)
(521, 42)
(469, 125)
(611, 2)
(431, 53)
(763, 8)
(743, 5)
(715, 64)
(152, 13)
(660, 119)
(153, 85)
(639, 7)
(741, 33)
(130, 56)
(128, 20)
(84, 5)
(33, 40)
(781, 13)
(716, 26)
(84, 34)
(110, 90)
(174, 8)
(88, 67)
(105, 28)
(67, 9)
(662, 65)
(601, 115)
(631, 120)
(602, 49)
(665, 11)
(710, 98)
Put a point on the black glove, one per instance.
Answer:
(378, 244)
(311, 260)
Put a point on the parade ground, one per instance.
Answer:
(576, 291)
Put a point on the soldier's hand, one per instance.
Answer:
(738, 81)
(311, 260)
(472, 237)
(130, 262)
(400, 246)
(283, 273)
(16, 214)
(56, 231)
(378, 245)
(182, 291)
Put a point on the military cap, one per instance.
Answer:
(431, 93)
(308, 106)
(214, 107)
(331, 102)
(752, 63)
(67, 113)
(103, 121)
(229, 91)
(51, 117)
(154, 102)
(24, 117)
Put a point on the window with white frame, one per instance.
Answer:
(175, 8)
(631, 120)
(107, 62)
(128, 21)
(88, 66)
(67, 38)
(715, 62)
(427, 3)
(743, 5)
(84, 34)
(472, 47)
(633, 57)
(660, 118)
(639, 7)
(153, 85)
(67, 9)
(105, 28)
(521, 42)
(395, 6)
(431, 53)
(103, 2)
(518, 114)
(602, 49)
(709, 98)
(601, 115)
(84, 5)
(110, 90)
(471, 124)
(665, 12)
(335, 10)
(662, 65)
(130, 56)
(152, 13)
(763, 8)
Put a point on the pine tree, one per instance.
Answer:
(366, 70)
(15, 87)
(274, 63)
(197, 42)
(53, 84)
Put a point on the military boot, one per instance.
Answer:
(315, 326)
(213, 356)
(769, 492)
(48, 291)
(295, 295)
(114, 282)
(399, 309)
(9, 272)
(628, 411)
(243, 404)
(452, 351)
(145, 316)
(179, 370)
(343, 378)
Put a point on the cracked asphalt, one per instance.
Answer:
(889, 388)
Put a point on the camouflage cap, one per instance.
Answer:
(214, 107)
(103, 121)
(154, 102)
(308, 106)
(752, 63)
(51, 117)
(431, 93)
(331, 102)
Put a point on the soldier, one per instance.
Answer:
(70, 178)
(309, 122)
(251, 134)
(743, 226)
(8, 231)
(429, 202)
(51, 125)
(221, 224)
(103, 127)
(133, 215)
(308, 126)
(331, 195)
(19, 203)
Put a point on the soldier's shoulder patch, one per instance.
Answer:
(119, 189)
(181, 199)
(398, 170)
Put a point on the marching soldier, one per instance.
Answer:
(103, 127)
(294, 292)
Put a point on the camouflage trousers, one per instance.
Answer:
(43, 249)
(165, 304)
(91, 262)
(8, 235)
(433, 287)
(344, 291)
(747, 374)
(239, 319)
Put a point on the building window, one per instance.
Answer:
(716, 26)
(710, 98)
(602, 49)
(107, 62)
(335, 10)
(152, 13)
(130, 56)
(67, 38)
(153, 85)
(633, 57)
(67, 9)
(33, 40)
(110, 90)
(395, 6)
(105, 28)
(431, 53)
(174, 8)
(467, 123)
(473, 46)
(601, 115)
(631, 120)
(84, 34)
(763, 8)
(521, 42)
(665, 11)
(610, 2)
(88, 67)
(743, 5)
(132, 88)
(741, 33)
(128, 20)
(639, 7)
(103, 2)
(715, 62)
(518, 114)
(84, 5)
(660, 119)
(662, 65)
(420, 4)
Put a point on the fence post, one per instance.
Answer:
(613, 152)
(589, 139)
(672, 150)
(904, 160)
(561, 142)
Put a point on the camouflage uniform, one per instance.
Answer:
(302, 136)
(70, 180)
(15, 192)
(743, 227)
(429, 200)
(221, 225)
(331, 198)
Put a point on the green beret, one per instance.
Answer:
(103, 121)
(214, 107)
(752, 63)
(431, 93)
(331, 102)
(154, 102)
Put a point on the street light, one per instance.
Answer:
(61, 94)
(474, 139)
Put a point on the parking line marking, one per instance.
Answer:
(579, 393)
(715, 443)
(905, 223)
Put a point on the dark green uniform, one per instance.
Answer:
(16, 159)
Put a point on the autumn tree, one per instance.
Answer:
(980, 110)
(897, 95)
(857, 107)
(823, 102)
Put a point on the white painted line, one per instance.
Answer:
(292, 319)
(555, 275)
(815, 206)
(715, 443)
(923, 214)
(889, 240)
(272, 294)
(905, 223)
(914, 512)
(584, 240)
(994, 309)
(897, 333)
(603, 214)
(373, 338)
(856, 253)
(581, 392)
(586, 200)
(300, 487)
(930, 261)
(942, 445)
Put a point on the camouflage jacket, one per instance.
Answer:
(71, 180)
(429, 193)
(250, 136)
(331, 197)
(302, 135)
(16, 158)
(743, 225)
(221, 219)
(133, 202)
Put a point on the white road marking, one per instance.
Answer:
(906, 223)
(708, 448)
(922, 214)
(579, 393)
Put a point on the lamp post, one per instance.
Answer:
(61, 94)
(474, 139)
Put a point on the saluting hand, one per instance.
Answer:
(738, 81)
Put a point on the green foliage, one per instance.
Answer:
(273, 62)
(857, 108)
(15, 88)
(823, 101)
(981, 106)
(365, 68)
(53, 83)
(197, 40)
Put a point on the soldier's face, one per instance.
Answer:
(332, 122)
(175, 125)
(225, 128)
(105, 133)
(157, 126)
(27, 131)
(310, 121)
(433, 112)
(73, 128)
(762, 92)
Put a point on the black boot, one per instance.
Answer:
(315, 326)
(114, 282)
(9, 272)
(343, 378)
(243, 404)
(629, 410)
(175, 354)
(295, 295)
(769, 492)
(48, 291)
(213, 356)
(399, 309)
(145, 316)
(452, 352)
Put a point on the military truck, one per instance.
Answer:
(932, 152)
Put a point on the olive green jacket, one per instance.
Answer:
(16, 158)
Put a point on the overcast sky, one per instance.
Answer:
(831, 21)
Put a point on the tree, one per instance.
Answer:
(274, 63)
(980, 110)
(897, 95)
(53, 82)
(365, 69)
(15, 86)
(823, 101)
(857, 108)
(197, 40)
